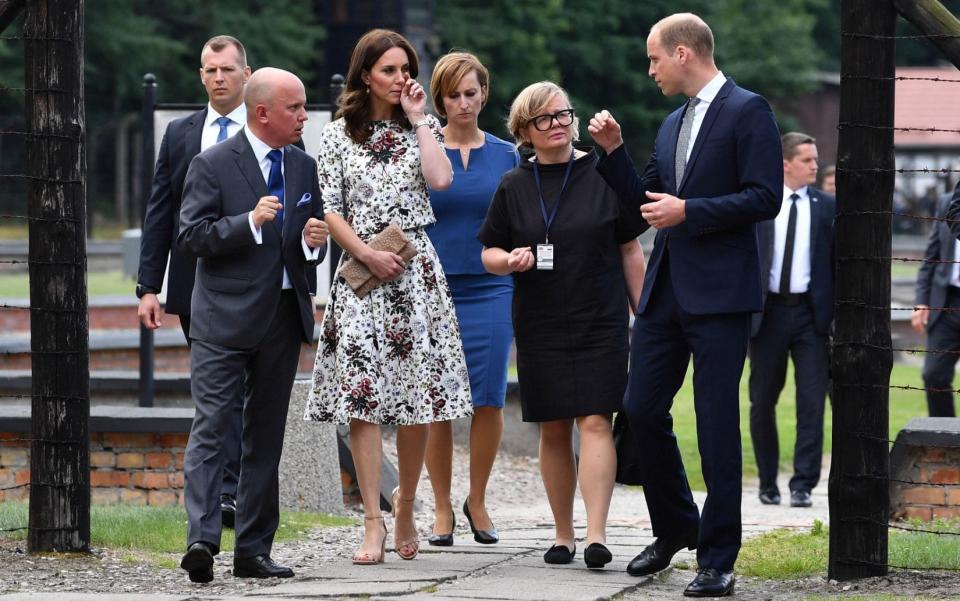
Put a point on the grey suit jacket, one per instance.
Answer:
(238, 281)
(934, 278)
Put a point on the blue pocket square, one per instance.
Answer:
(304, 200)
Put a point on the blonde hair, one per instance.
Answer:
(529, 103)
(450, 71)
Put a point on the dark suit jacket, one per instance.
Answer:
(823, 209)
(238, 281)
(161, 223)
(933, 279)
(734, 178)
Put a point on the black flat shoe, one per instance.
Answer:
(800, 498)
(444, 540)
(770, 497)
(259, 566)
(559, 554)
(484, 537)
(198, 562)
(657, 556)
(711, 582)
(228, 510)
(597, 555)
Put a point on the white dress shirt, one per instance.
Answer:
(800, 269)
(706, 96)
(211, 129)
(260, 150)
(955, 268)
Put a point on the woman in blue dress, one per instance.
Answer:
(460, 87)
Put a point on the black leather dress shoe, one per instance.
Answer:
(770, 497)
(228, 510)
(484, 537)
(259, 566)
(711, 582)
(597, 555)
(559, 554)
(800, 498)
(444, 540)
(657, 556)
(198, 562)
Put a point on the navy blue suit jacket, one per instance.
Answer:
(734, 179)
(823, 209)
(933, 278)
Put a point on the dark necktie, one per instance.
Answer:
(223, 122)
(788, 246)
(275, 181)
(683, 140)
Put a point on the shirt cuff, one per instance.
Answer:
(257, 234)
(312, 254)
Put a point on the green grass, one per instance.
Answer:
(158, 530)
(784, 554)
(904, 405)
(99, 283)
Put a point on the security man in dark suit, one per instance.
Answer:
(938, 287)
(250, 213)
(796, 262)
(223, 72)
(714, 173)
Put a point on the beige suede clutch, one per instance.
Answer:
(356, 274)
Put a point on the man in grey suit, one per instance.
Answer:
(938, 287)
(223, 72)
(249, 214)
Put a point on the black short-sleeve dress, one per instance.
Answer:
(570, 323)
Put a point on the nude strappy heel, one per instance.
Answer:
(368, 559)
(407, 549)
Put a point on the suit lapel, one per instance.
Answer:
(816, 212)
(291, 192)
(193, 133)
(247, 165)
(708, 120)
(671, 146)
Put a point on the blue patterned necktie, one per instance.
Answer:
(275, 181)
(223, 122)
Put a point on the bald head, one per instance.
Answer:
(685, 29)
(276, 106)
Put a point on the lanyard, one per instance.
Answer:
(548, 221)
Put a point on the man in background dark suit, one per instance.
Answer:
(938, 287)
(223, 72)
(249, 214)
(796, 263)
(714, 173)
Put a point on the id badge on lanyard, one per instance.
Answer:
(545, 251)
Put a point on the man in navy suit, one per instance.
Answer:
(796, 261)
(938, 288)
(714, 173)
(223, 72)
(250, 214)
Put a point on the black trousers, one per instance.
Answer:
(788, 331)
(938, 368)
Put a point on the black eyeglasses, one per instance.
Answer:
(545, 122)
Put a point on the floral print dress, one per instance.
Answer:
(395, 356)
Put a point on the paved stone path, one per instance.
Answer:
(511, 570)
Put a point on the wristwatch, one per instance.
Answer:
(420, 123)
(144, 289)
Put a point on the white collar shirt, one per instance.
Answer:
(800, 267)
(706, 95)
(211, 129)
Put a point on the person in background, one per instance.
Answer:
(395, 355)
(571, 246)
(938, 288)
(223, 73)
(460, 87)
(828, 180)
(796, 259)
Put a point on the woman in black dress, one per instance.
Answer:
(572, 248)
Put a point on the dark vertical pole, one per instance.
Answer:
(60, 449)
(336, 87)
(862, 359)
(147, 386)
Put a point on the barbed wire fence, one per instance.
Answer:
(50, 139)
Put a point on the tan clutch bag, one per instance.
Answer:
(356, 274)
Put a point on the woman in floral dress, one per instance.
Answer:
(394, 356)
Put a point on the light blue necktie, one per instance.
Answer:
(223, 122)
(275, 181)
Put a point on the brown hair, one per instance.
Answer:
(529, 103)
(449, 71)
(790, 140)
(354, 101)
(685, 29)
(219, 42)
